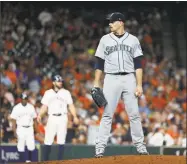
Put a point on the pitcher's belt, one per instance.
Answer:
(119, 73)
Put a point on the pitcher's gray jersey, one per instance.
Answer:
(118, 53)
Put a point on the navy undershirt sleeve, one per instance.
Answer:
(137, 62)
(99, 64)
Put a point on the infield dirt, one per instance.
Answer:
(124, 159)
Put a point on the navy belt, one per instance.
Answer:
(57, 114)
(26, 126)
(119, 73)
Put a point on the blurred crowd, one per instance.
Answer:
(36, 43)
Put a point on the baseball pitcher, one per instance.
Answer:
(119, 56)
(24, 115)
(55, 101)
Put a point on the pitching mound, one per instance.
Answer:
(128, 159)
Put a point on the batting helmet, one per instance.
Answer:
(57, 78)
(24, 96)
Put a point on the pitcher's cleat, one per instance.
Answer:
(98, 155)
(144, 153)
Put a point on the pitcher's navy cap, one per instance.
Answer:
(116, 16)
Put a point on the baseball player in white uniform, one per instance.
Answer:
(56, 102)
(24, 115)
(119, 56)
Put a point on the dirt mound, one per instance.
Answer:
(125, 159)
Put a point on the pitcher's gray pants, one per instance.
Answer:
(114, 88)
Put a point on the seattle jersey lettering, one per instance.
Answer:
(119, 47)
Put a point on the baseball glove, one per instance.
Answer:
(98, 97)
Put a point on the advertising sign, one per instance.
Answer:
(10, 154)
